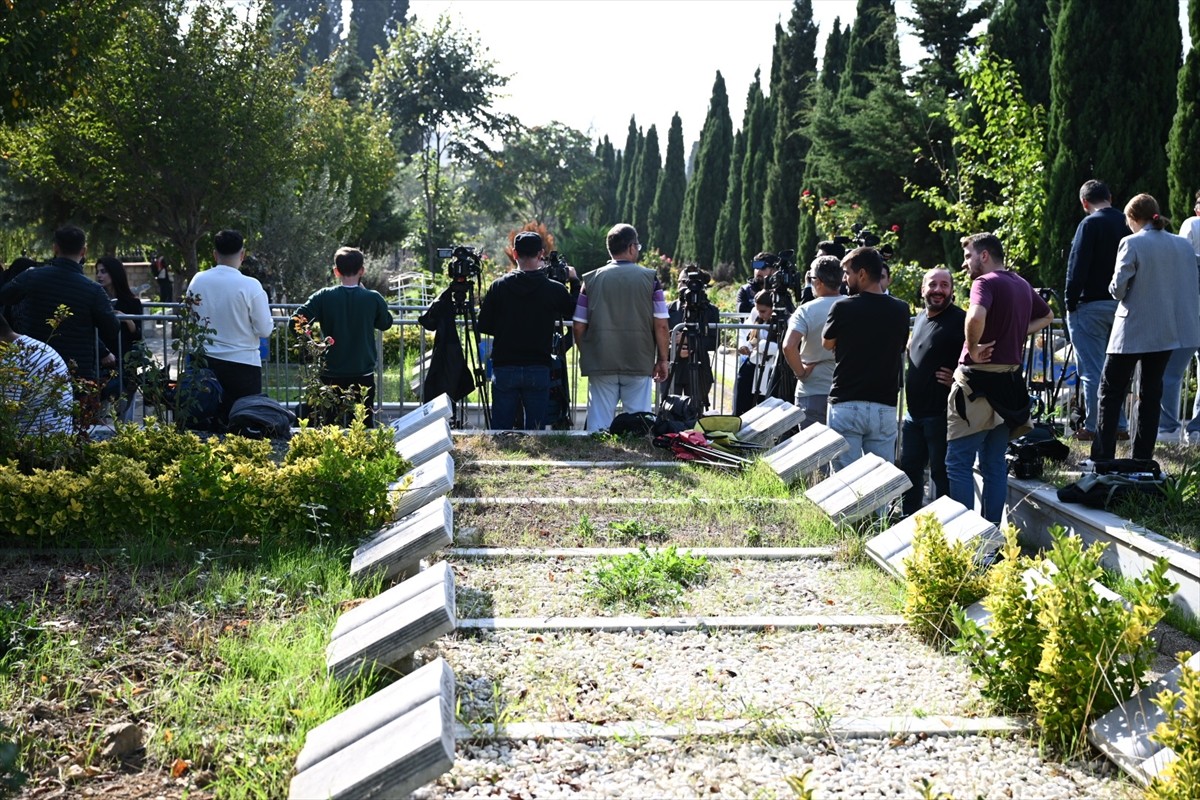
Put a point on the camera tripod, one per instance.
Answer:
(462, 295)
(782, 382)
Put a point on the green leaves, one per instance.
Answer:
(643, 580)
(941, 578)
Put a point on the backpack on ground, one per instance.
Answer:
(638, 424)
(1101, 490)
(260, 417)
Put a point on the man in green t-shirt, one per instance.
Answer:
(350, 314)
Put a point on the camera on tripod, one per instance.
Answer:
(693, 294)
(785, 277)
(465, 265)
(865, 237)
(557, 268)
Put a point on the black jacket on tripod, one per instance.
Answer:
(448, 370)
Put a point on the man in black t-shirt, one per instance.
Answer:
(933, 351)
(867, 332)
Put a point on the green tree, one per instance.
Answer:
(604, 211)
(706, 190)
(311, 24)
(438, 87)
(1106, 121)
(646, 184)
(943, 28)
(757, 128)
(1183, 149)
(829, 81)
(374, 23)
(793, 75)
(668, 197)
(195, 125)
(727, 248)
(873, 50)
(1020, 31)
(628, 168)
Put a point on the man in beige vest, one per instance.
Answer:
(620, 328)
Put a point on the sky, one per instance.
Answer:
(661, 56)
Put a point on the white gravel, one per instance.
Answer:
(965, 767)
(736, 587)
(510, 676)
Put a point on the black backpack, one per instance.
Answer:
(638, 424)
(260, 417)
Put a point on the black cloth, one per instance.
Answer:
(692, 375)
(936, 343)
(871, 331)
(1114, 385)
(448, 370)
(237, 381)
(745, 297)
(522, 310)
(132, 306)
(1005, 392)
(38, 292)
(1094, 256)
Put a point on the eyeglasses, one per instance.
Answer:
(638, 245)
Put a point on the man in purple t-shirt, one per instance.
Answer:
(989, 403)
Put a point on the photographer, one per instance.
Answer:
(764, 266)
(693, 345)
(521, 310)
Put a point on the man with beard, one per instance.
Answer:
(989, 402)
(867, 332)
(765, 265)
(933, 350)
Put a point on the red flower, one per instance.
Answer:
(895, 229)
(830, 203)
(329, 340)
(806, 193)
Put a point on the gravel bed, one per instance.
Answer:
(517, 676)
(963, 766)
(492, 481)
(738, 587)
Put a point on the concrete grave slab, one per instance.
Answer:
(961, 524)
(1123, 734)
(334, 738)
(808, 450)
(767, 427)
(436, 409)
(426, 444)
(422, 485)
(398, 549)
(1032, 578)
(863, 487)
(390, 627)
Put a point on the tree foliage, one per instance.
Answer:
(706, 190)
(668, 197)
(727, 249)
(604, 209)
(943, 28)
(375, 23)
(645, 184)
(1020, 32)
(758, 128)
(628, 168)
(1183, 149)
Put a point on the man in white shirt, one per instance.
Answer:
(235, 307)
(803, 349)
(36, 382)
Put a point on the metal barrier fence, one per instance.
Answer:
(406, 351)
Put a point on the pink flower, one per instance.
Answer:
(806, 193)
(895, 229)
(830, 203)
(329, 340)
(854, 205)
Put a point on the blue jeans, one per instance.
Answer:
(634, 392)
(866, 427)
(520, 397)
(1090, 325)
(1169, 420)
(923, 441)
(990, 446)
(815, 408)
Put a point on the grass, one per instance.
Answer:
(221, 662)
(645, 580)
(1176, 617)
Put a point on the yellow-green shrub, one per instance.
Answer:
(1180, 731)
(941, 577)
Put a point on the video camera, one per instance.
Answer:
(864, 237)
(466, 263)
(693, 297)
(785, 277)
(557, 268)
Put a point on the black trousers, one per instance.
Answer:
(1114, 383)
(237, 380)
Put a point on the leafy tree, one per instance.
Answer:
(646, 184)
(872, 49)
(668, 197)
(299, 235)
(793, 76)
(310, 23)
(1183, 149)
(752, 178)
(628, 168)
(943, 28)
(438, 87)
(829, 81)
(546, 173)
(1088, 138)
(706, 190)
(727, 247)
(605, 210)
(375, 23)
(194, 126)
(1020, 31)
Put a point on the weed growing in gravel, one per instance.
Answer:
(643, 580)
(634, 531)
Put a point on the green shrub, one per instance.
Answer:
(1180, 731)
(410, 335)
(643, 580)
(941, 577)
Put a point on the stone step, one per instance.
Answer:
(804, 453)
(960, 524)
(436, 409)
(397, 550)
(683, 623)
(422, 485)
(768, 421)
(425, 443)
(387, 745)
(863, 487)
(751, 553)
(1123, 734)
(388, 628)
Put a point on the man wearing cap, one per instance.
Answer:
(521, 311)
(764, 265)
(621, 329)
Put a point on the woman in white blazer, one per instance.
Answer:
(1158, 312)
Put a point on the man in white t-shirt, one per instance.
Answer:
(40, 389)
(235, 307)
(809, 360)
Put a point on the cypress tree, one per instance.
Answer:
(753, 179)
(792, 78)
(873, 48)
(604, 211)
(628, 164)
(645, 184)
(375, 22)
(706, 191)
(1020, 32)
(668, 197)
(943, 28)
(829, 81)
(726, 244)
(1107, 121)
(1183, 149)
